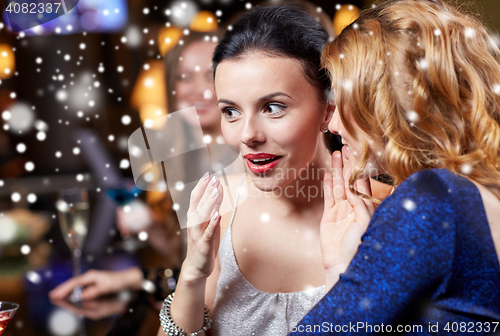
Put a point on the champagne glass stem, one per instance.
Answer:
(81, 326)
(76, 295)
(77, 255)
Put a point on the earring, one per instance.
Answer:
(325, 129)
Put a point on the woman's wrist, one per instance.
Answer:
(133, 278)
(333, 275)
(191, 276)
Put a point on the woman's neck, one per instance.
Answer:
(305, 192)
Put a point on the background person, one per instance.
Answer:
(189, 81)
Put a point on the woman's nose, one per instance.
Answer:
(252, 133)
(333, 125)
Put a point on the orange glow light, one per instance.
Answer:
(344, 17)
(204, 21)
(168, 38)
(7, 61)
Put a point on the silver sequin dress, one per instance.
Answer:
(240, 309)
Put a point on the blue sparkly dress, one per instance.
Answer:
(427, 265)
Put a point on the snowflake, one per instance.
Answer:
(143, 236)
(124, 164)
(41, 136)
(21, 148)
(179, 186)
(412, 116)
(423, 64)
(29, 166)
(126, 120)
(31, 198)
(470, 32)
(33, 276)
(466, 169)
(409, 205)
(25, 249)
(496, 89)
(207, 139)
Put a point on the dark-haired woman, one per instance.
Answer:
(269, 270)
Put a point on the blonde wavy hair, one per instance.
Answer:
(423, 80)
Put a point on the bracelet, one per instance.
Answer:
(172, 329)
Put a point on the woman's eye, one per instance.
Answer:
(230, 114)
(274, 109)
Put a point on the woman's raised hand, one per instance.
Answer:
(203, 225)
(345, 219)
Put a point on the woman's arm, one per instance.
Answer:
(99, 283)
(405, 255)
(209, 292)
(187, 307)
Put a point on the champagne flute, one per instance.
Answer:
(73, 209)
(7, 311)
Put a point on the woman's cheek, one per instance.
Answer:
(182, 90)
(229, 133)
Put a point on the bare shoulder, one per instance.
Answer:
(492, 208)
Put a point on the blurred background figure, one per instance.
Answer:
(71, 92)
(189, 82)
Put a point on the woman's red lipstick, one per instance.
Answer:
(261, 162)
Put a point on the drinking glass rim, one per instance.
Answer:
(15, 306)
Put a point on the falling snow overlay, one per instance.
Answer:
(73, 92)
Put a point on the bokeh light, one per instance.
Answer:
(344, 16)
(7, 61)
(204, 21)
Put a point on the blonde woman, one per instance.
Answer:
(416, 84)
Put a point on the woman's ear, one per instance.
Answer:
(330, 109)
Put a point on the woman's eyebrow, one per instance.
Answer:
(272, 95)
(261, 99)
(229, 102)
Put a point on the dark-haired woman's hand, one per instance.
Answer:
(203, 226)
(345, 219)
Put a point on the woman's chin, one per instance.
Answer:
(270, 185)
(265, 184)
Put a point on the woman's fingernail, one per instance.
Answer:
(213, 182)
(214, 193)
(215, 215)
(205, 177)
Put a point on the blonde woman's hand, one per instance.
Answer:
(203, 227)
(345, 219)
